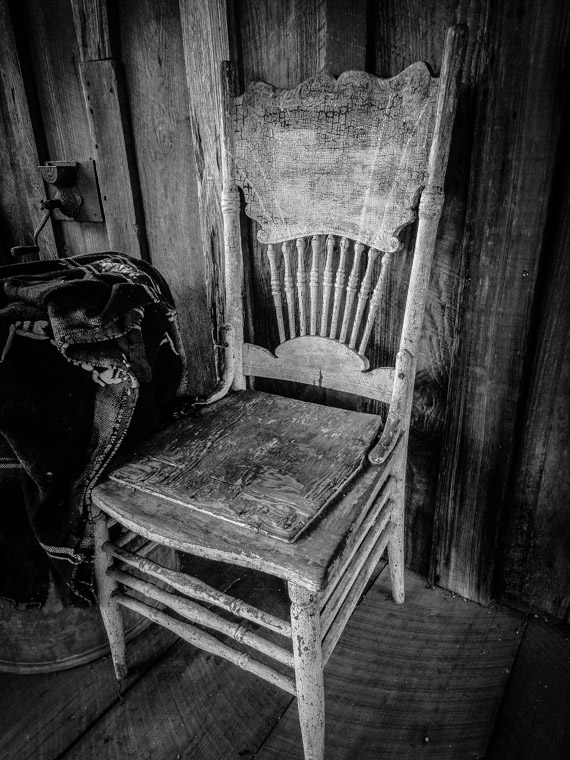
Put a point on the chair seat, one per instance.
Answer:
(264, 462)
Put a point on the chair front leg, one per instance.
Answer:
(306, 635)
(396, 544)
(109, 608)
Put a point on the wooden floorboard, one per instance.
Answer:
(423, 678)
(534, 719)
(42, 715)
(192, 705)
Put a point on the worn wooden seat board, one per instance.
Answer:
(310, 561)
(263, 461)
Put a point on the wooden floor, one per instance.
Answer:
(437, 677)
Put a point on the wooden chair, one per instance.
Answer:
(330, 171)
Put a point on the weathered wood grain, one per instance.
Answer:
(265, 462)
(194, 588)
(106, 109)
(205, 45)
(275, 42)
(533, 562)
(342, 38)
(401, 33)
(308, 562)
(309, 679)
(54, 56)
(42, 715)
(280, 163)
(21, 189)
(104, 94)
(106, 589)
(516, 138)
(151, 44)
(404, 32)
(384, 700)
(310, 360)
(96, 29)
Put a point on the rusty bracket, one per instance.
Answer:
(72, 190)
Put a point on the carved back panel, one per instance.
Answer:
(331, 171)
(346, 156)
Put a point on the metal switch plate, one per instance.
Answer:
(86, 186)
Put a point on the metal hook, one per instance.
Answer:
(26, 250)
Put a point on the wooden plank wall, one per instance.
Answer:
(520, 89)
(533, 557)
(403, 33)
(20, 154)
(486, 501)
(49, 51)
(158, 100)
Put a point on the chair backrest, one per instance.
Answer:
(332, 171)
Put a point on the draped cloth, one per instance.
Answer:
(91, 362)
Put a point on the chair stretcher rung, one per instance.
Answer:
(343, 614)
(126, 537)
(195, 613)
(378, 514)
(352, 571)
(146, 548)
(207, 642)
(135, 543)
(197, 589)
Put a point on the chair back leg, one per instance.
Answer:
(307, 653)
(110, 610)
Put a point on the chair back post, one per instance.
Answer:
(429, 213)
(233, 263)
(431, 202)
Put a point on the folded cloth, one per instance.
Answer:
(90, 361)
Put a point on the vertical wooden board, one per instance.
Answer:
(537, 563)
(515, 143)
(533, 720)
(105, 101)
(403, 33)
(151, 45)
(96, 29)
(409, 31)
(21, 189)
(54, 56)
(345, 39)
(205, 44)
(103, 88)
(383, 699)
(534, 563)
(276, 42)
